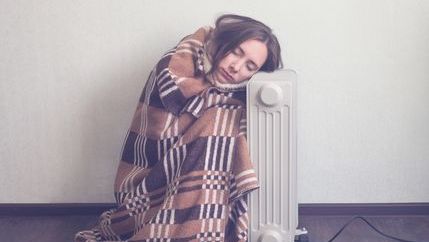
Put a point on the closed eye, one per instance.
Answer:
(251, 66)
(238, 51)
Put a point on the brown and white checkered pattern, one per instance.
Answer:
(185, 169)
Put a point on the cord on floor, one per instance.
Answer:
(372, 226)
(304, 238)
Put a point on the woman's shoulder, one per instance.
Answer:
(198, 37)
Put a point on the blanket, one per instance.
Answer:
(185, 169)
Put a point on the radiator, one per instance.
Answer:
(271, 130)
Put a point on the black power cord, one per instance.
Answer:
(370, 225)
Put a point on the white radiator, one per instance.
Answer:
(271, 130)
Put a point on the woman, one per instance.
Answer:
(185, 169)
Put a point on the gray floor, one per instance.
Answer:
(321, 228)
(43, 229)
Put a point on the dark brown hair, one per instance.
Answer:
(231, 30)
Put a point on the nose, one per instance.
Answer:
(234, 67)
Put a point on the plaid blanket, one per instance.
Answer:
(185, 170)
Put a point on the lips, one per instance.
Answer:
(226, 75)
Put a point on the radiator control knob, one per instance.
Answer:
(270, 94)
(270, 236)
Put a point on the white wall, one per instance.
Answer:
(71, 73)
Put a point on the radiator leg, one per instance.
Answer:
(302, 238)
(301, 235)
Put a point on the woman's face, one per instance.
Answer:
(242, 62)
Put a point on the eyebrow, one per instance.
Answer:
(251, 61)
